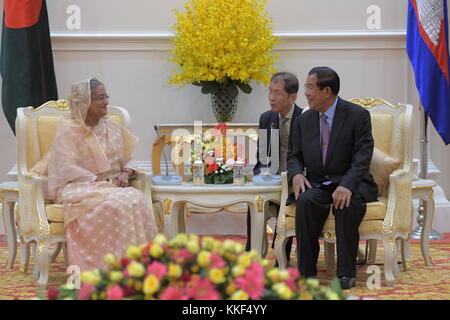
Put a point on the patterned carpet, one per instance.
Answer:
(418, 283)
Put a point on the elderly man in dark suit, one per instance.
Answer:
(282, 95)
(328, 165)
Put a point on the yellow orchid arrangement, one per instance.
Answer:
(189, 267)
(223, 45)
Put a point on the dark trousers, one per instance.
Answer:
(249, 226)
(313, 207)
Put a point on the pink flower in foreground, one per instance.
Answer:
(186, 277)
(217, 261)
(114, 293)
(202, 289)
(158, 269)
(252, 282)
(85, 291)
(173, 293)
(125, 262)
(293, 273)
(52, 294)
(144, 250)
(127, 291)
(182, 256)
(293, 276)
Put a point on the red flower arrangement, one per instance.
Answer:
(219, 154)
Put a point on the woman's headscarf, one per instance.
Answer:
(80, 100)
(79, 103)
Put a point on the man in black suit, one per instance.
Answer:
(328, 164)
(283, 89)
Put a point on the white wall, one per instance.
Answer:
(143, 16)
(127, 46)
(136, 73)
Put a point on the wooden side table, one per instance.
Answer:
(422, 189)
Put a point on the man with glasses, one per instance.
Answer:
(283, 89)
(332, 142)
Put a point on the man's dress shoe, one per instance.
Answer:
(347, 282)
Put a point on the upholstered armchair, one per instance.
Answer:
(42, 222)
(390, 218)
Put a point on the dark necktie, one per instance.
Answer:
(324, 136)
(284, 141)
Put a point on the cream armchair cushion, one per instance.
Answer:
(381, 166)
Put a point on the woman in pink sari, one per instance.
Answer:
(89, 167)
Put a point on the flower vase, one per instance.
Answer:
(224, 106)
(198, 172)
(238, 173)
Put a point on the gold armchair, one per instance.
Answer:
(390, 218)
(41, 222)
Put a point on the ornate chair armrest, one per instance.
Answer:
(281, 220)
(35, 177)
(398, 217)
(143, 182)
(37, 182)
(32, 200)
(139, 180)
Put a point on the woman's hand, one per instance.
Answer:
(125, 176)
(123, 179)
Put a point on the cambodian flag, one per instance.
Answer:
(427, 47)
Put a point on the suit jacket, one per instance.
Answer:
(269, 120)
(349, 152)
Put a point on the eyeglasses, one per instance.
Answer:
(276, 94)
(102, 97)
(310, 88)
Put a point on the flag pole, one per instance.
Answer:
(423, 143)
(416, 234)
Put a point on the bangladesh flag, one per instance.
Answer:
(26, 62)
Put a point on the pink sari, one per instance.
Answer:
(99, 217)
